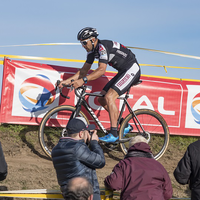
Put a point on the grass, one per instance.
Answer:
(12, 128)
(16, 128)
(182, 142)
(29, 136)
(21, 135)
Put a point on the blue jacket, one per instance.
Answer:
(72, 158)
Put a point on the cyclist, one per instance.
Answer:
(115, 55)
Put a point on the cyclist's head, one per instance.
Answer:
(86, 33)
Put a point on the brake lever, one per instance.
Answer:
(57, 83)
(71, 87)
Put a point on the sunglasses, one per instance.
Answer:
(84, 42)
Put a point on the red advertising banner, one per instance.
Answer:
(28, 92)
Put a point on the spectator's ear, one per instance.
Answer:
(80, 134)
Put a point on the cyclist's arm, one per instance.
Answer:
(84, 70)
(79, 74)
(98, 72)
(93, 76)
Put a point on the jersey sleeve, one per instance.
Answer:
(90, 57)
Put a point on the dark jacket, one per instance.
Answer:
(188, 169)
(139, 176)
(72, 158)
(3, 165)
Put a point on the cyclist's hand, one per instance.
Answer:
(78, 83)
(64, 82)
(95, 136)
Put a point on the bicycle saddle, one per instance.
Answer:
(134, 84)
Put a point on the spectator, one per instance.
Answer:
(139, 176)
(188, 169)
(78, 188)
(3, 165)
(73, 158)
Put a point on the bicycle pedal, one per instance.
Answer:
(109, 143)
(111, 146)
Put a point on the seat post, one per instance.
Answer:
(140, 81)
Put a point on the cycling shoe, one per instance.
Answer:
(128, 129)
(109, 138)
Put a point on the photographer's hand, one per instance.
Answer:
(94, 135)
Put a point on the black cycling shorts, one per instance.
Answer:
(124, 79)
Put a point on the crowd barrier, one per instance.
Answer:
(55, 194)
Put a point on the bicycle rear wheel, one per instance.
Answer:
(52, 126)
(155, 127)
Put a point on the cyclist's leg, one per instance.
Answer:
(118, 86)
(108, 102)
(113, 110)
(102, 100)
(122, 83)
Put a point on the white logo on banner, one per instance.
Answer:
(34, 92)
(193, 107)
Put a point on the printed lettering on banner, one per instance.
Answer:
(193, 107)
(161, 100)
(34, 92)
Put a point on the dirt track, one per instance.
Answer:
(29, 168)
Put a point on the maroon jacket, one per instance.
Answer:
(139, 176)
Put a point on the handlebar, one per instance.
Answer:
(77, 91)
(60, 90)
(71, 88)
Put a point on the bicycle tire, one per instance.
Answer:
(50, 129)
(154, 124)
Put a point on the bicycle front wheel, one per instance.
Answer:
(155, 130)
(53, 125)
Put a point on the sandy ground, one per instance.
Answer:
(29, 168)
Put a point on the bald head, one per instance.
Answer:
(78, 188)
(78, 182)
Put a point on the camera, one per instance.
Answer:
(91, 132)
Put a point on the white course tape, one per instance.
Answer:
(140, 48)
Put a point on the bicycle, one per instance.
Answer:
(145, 122)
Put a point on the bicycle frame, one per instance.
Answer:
(152, 121)
(82, 101)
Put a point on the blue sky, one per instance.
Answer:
(171, 25)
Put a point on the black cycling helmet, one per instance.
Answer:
(86, 33)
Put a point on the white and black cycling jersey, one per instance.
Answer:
(112, 53)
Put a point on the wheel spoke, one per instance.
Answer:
(52, 125)
(156, 131)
